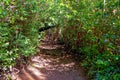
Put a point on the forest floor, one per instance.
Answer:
(46, 65)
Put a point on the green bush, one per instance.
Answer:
(91, 27)
(96, 33)
(18, 30)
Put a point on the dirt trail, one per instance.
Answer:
(47, 67)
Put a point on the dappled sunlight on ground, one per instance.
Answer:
(45, 67)
(51, 67)
(52, 64)
(50, 46)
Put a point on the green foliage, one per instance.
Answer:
(90, 26)
(18, 30)
(100, 22)
(93, 27)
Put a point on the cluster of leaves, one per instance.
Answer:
(90, 26)
(98, 36)
(18, 30)
(93, 28)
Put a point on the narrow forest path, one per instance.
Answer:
(51, 67)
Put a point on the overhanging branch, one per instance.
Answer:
(45, 28)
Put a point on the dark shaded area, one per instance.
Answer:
(46, 28)
(78, 56)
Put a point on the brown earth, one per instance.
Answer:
(49, 67)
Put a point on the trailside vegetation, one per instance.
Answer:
(92, 27)
(18, 31)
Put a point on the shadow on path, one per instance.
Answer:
(47, 67)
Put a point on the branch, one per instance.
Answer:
(45, 28)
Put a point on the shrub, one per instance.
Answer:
(18, 30)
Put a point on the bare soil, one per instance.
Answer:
(45, 66)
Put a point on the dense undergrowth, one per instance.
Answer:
(92, 27)
(97, 36)
(18, 31)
